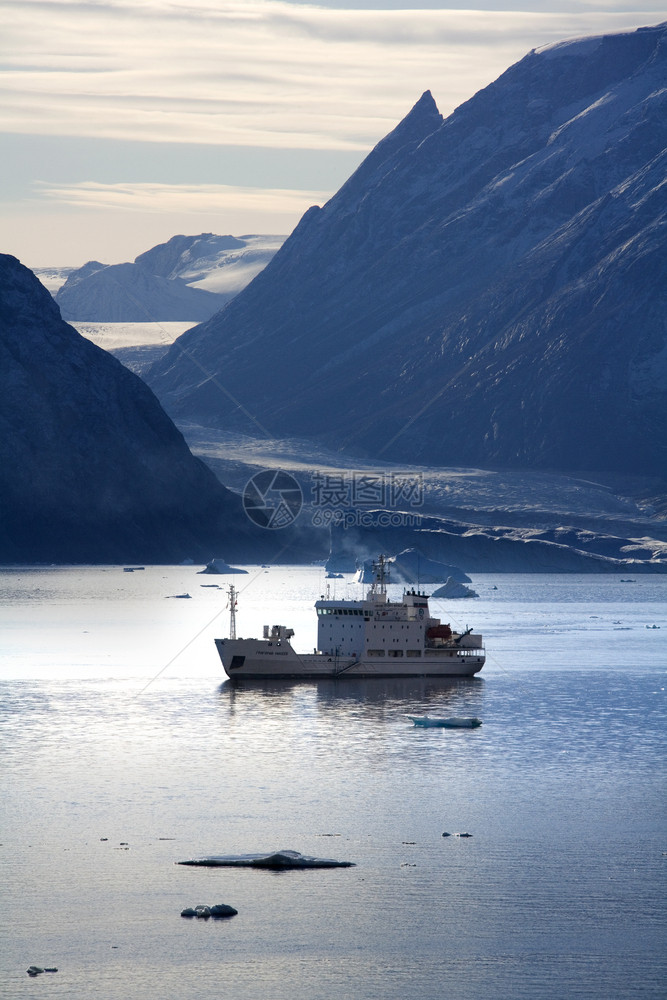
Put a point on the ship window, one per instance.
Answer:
(413, 652)
(395, 652)
(376, 652)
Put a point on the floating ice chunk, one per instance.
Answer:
(452, 589)
(277, 860)
(221, 568)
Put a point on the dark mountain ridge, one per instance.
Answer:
(91, 467)
(489, 289)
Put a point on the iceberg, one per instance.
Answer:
(278, 860)
(221, 568)
(413, 568)
(452, 589)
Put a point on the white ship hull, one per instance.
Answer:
(259, 658)
(371, 637)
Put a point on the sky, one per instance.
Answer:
(126, 122)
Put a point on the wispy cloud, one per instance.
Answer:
(263, 72)
(204, 199)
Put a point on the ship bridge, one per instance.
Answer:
(358, 628)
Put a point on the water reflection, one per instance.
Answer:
(408, 693)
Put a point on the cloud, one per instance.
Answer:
(204, 199)
(258, 73)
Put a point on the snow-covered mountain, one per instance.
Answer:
(188, 278)
(490, 289)
(91, 467)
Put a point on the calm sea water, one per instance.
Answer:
(123, 752)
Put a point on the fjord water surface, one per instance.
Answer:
(121, 757)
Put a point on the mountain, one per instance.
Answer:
(91, 467)
(188, 278)
(489, 289)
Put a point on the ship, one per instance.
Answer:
(372, 637)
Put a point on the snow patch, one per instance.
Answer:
(115, 336)
(583, 46)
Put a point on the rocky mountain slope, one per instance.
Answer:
(187, 278)
(489, 289)
(91, 468)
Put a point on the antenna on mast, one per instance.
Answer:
(232, 602)
(380, 576)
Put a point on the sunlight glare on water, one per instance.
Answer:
(121, 757)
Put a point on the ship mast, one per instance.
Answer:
(380, 577)
(232, 610)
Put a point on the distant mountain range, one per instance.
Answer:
(487, 289)
(91, 467)
(188, 278)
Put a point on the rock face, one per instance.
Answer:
(91, 468)
(489, 289)
(187, 278)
